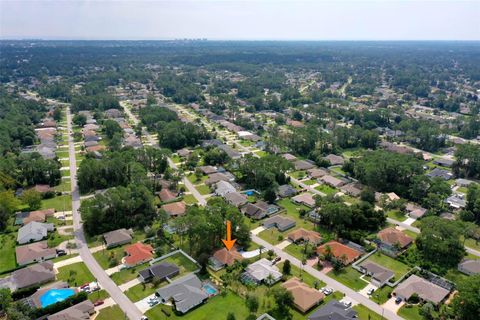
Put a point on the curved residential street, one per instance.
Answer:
(127, 306)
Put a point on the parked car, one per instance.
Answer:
(98, 303)
(370, 291)
(276, 260)
(398, 300)
(326, 291)
(61, 252)
(347, 304)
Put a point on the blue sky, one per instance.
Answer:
(245, 20)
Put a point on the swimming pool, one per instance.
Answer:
(249, 193)
(55, 295)
(210, 289)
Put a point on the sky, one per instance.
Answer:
(241, 20)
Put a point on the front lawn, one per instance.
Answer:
(110, 313)
(7, 251)
(366, 314)
(203, 189)
(189, 199)
(54, 239)
(380, 296)
(140, 291)
(98, 295)
(185, 264)
(296, 250)
(326, 189)
(75, 274)
(59, 203)
(298, 174)
(109, 258)
(127, 275)
(209, 311)
(397, 215)
(396, 266)
(410, 313)
(310, 182)
(303, 276)
(261, 153)
(349, 277)
(272, 235)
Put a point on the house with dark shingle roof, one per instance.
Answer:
(34, 252)
(33, 275)
(185, 293)
(161, 271)
(117, 237)
(236, 199)
(303, 165)
(333, 310)
(426, 290)
(81, 311)
(379, 275)
(279, 222)
(286, 191)
(334, 159)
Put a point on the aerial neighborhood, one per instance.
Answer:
(170, 186)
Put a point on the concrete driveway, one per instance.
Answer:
(364, 291)
(392, 306)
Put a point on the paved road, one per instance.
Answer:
(417, 230)
(329, 281)
(190, 187)
(127, 306)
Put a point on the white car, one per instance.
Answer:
(370, 291)
(347, 304)
(327, 291)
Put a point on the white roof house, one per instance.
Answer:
(34, 231)
(263, 270)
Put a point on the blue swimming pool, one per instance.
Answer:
(55, 295)
(210, 289)
(249, 193)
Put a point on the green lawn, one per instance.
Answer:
(411, 234)
(104, 257)
(455, 276)
(295, 250)
(326, 189)
(349, 277)
(75, 274)
(471, 243)
(299, 174)
(310, 182)
(54, 239)
(261, 153)
(272, 235)
(189, 199)
(380, 296)
(193, 178)
(7, 251)
(396, 266)
(65, 173)
(304, 276)
(366, 314)
(60, 203)
(397, 215)
(64, 186)
(292, 210)
(216, 308)
(140, 291)
(182, 262)
(98, 295)
(203, 189)
(175, 158)
(127, 275)
(338, 170)
(410, 313)
(62, 154)
(66, 257)
(111, 313)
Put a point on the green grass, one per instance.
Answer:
(175, 158)
(203, 189)
(7, 251)
(455, 276)
(397, 215)
(216, 308)
(261, 153)
(98, 295)
(66, 257)
(472, 243)
(189, 199)
(303, 276)
(182, 262)
(110, 313)
(62, 154)
(295, 250)
(338, 170)
(310, 182)
(299, 174)
(462, 190)
(140, 291)
(396, 266)
(349, 277)
(380, 296)
(104, 257)
(64, 186)
(272, 236)
(60, 203)
(54, 239)
(410, 313)
(366, 314)
(193, 178)
(127, 275)
(65, 173)
(326, 189)
(411, 234)
(75, 274)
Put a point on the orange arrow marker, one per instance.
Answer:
(229, 242)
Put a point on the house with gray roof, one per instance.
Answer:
(440, 173)
(230, 152)
(470, 267)
(259, 209)
(279, 222)
(236, 199)
(34, 231)
(286, 191)
(33, 275)
(185, 293)
(161, 271)
(444, 162)
(81, 311)
(463, 182)
(426, 290)
(379, 275)
(333, 310)
(335, 160)
(456, 201)
(34, 252)
(223, 188)
(117, 237)
(303, 165)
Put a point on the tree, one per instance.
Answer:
(466, 303)
(283, 300)
(286, 267)
(8, 205)
(231, 316)
(80, 120)
(32, 198)
(252, 303)
(111, 127)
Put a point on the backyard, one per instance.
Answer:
(7, 251)
(396, 266)
(75, 274)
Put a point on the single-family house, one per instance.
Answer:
(80, 311)
(216, 177)
(34, 231)
(184, 152)
(223, 188)
(175, 209)
(288, 157)
(34, 252)
(395, 238)
(426, 290)
(379, 275)
(23, 218)
(207, 169)
(262, 271)
(259, 209)
(236, 199)
(137, 253)
(286, 191)
(333, 310)
(224, 257)
(335, 160)
(34, 275)
(352, 189)
(185, 293)
(316, 173)
(463, 182)
(303, 235)
(332, 181)
(469, 266)
(456, 201)
(415, 211)
(304, 297)
(339, 251)
(279, 222)
(160, 271)
(305, 198)
(440, 173)
(303, 165)
(444, 162)
(167, 195)
(117, 237)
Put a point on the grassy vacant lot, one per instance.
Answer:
(127, 275)
(216, 308)
(349, 277)
(410, 313)
(203, 189)
(366, 314)
(75, 274)
(110, 313)
(140, 291)
(189, 199)
(60, 203)
(303, 275)
(326, 189)
(293, 211)
(380, 296)
(54, 239)
(295, 250)
(7, 251)
(103, 257)
(182, 262)
(98, 295)
(272, 235)
(397, 215)
(396, 266)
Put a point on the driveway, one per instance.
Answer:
(143, 305)
(282, 245)
(257, 230)
(392, 306)
(364, 291)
